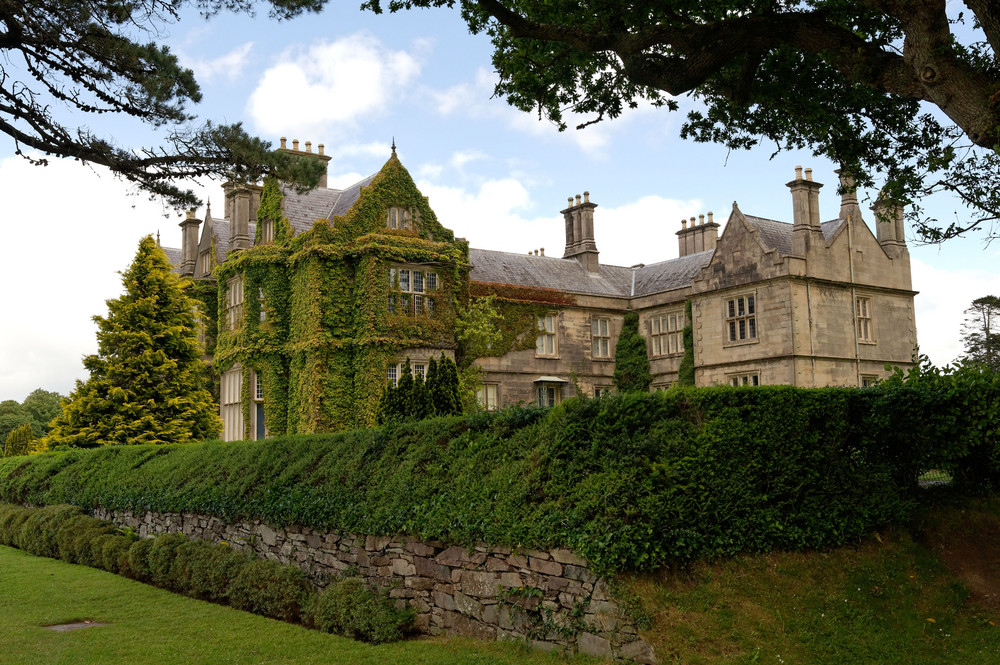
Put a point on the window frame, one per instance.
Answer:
(234, 302)
(542, 398)
(660, 338)
(864, 321)
(545, 334)
(749, 379)
(483, 397)
(404, 299)
(600, 343)
(733, 316)
(398, 218)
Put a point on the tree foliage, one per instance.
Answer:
(982, 332)
(414, 398)
(899, 88)
(18, 442)
(38, 409)
(631, 358)
(146, 381)
(86, 58)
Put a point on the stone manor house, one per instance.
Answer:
(320, 306)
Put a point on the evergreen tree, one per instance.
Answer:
(420, 401)
(631, 358)
(404, 391)
(388, 408)
(146, 381)
(446, 397)
(982, 332)
(433, 384)
(43, 405)
(18, 441)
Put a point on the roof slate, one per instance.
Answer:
(349, 197)
(302, 210)
(548, 272)
(670, 275)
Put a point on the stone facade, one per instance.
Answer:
(550, 598)
(809, 303)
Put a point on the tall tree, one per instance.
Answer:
(982, 332)
(631, 358)
(84, 58)
(853, 81)
(18, 442)
(43, 405)
(12, 415)
(146, 380)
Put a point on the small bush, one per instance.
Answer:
(270, 589)
(161, 558)
(349, 608)
(37, 533)
(212, 569)
(137, 560)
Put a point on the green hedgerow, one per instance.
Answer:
(270, 589)
(350, 608)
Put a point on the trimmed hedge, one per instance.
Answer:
(629, 481)
(205, 570)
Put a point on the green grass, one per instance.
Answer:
(887, 601)
(150, 626)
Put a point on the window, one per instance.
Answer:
(392, 375)
(232, 410)
(419, 370)
(395, 371)
(549, 394)
(267, 232)
(748, 379)
(206, 263)
(667, 333)
(411, 287)
(398, 218)
(741, 318)
(545, 343)
(868, 380)
(234, 302)
(600, 329)
(486, 396)
(602, 391)
(260, 301)
(863, 312)
(258, 393)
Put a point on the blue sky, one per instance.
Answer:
(354, 81)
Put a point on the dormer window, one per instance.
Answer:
(399, 218)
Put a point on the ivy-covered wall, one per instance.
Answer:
(327, 336)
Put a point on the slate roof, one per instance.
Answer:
(175, 256)
(304, 209)
(349, 196)
(778, 235)
(669, 275)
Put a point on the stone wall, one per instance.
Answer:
(550, 598)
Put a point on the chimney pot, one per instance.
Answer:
(710, 217)
(543, 251)
(798, 173)
(570, 201)
(191, 213)
(283, 140)
(295, 144)
(684, 223)
(309, 146)
(809, 175)
(692, 222)
(586, 197)
(320, 148)
(701, 219)
(578, 199)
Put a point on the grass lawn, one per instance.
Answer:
(151, 626)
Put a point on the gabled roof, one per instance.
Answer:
(778, 235)
(349, 197)
(302, 210)
(175, 257)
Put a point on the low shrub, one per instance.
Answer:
(348, 607)
(270, 589)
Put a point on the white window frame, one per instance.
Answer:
(863, 319)
(548, 394)
(600, 338)
(230, 403)
(740, 314)
(546, 341)
(234, 301)
(392, 374)
(666, 332)
(409, 290)
(744, 379)
(487, 396)
(260, 303)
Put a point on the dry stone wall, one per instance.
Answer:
(550, 598)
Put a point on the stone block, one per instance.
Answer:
(468, 606)
(422, 623)
(544, 566)
(638, 651)
(594, 645)
(444, 601)
(267, 535)
(403, 567)
(538, 554)
(493, 564)
(428, 568)
(510, 580)
(314, 541)
(419, 583)
(518, 560)
(578, 573)
(479, 583)
(601, 591)
(419, 548)
(566, 556)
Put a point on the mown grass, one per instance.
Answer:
(889, 600)
(149, 626)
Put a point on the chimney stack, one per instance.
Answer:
(307, 153)
(580, 244)
(805, 212)
(189, 242)
(848, 196)
(889, 225)
(698, 237)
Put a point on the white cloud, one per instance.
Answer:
(228, 66)
(332, 83)
(944, 296)
(76, 227)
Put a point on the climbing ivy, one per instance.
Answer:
(685, 371)
(631, 358)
